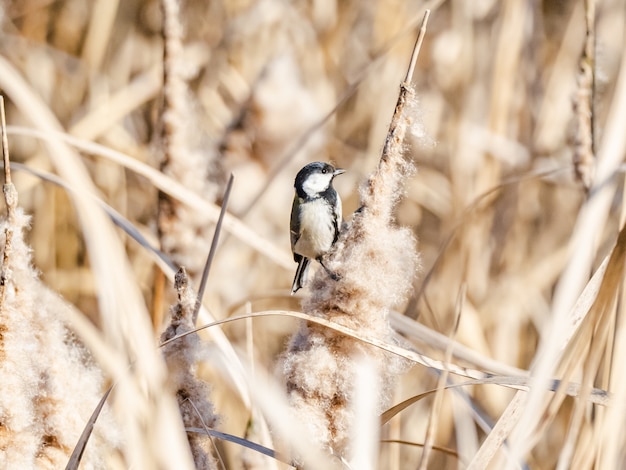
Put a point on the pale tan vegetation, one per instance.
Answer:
(479, 318)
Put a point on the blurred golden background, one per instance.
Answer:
(259, 88)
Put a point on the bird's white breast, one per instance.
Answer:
(317, 231)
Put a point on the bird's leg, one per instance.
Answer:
(333, 275)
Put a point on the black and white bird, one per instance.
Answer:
(315, 218)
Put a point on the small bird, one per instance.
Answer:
(315, 218)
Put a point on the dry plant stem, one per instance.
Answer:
(593, 345)
(376, 263)
(584, 151)
(127, 334)
(79, 449)
(379, 196)
(43, 398)
(212, 251)
(592, 216)
(517, 382)
(417, 47)
(186, 156)
(173, 189)
(173, 84)
(10, 198)
(191, 393)
(443, 378)
(158, 301)
(5, 147)
(173, 91)
(99, 33)
(610, 453)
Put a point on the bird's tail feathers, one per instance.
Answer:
(301, 275)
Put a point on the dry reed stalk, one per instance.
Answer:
(584, 151)
(185, 157)
(181, 358)
(552, 122)
(594, 340)
(118, 295)
(49, 383)
(376, 263)
(515, 381)
(173, 189)
(610, 452)
(515, 259)
(592, 215)
(437, 402)
(108, 357)
(609, 442)
(10, 197)
(99, 33)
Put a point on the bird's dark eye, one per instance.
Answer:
(324, 170)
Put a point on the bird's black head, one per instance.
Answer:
(315, 178)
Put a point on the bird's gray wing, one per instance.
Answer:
(294, 227)
(337, 218)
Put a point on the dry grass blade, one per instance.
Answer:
(598, 396)
(239, 441)
(99, 32)
(591, 343)
(591, 219)
(417, 48)
(502, 170)
(78, 451)
(396, 409)
(171, 187)
(424, 335)
(212, 251)
(499, 433)
(445, 450)
(479, 203)
(160, 258)
(165, 264)
(443, 377)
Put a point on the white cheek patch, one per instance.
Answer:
(316, 183)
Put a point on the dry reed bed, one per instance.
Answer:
(510, 95)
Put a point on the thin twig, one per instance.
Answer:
(384, 183)
(79, 449)
(441, 386)
(10, 196)
(417, 47)
(5, 143)
(209, 261)
(206, 430)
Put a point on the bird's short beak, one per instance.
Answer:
(338, 171)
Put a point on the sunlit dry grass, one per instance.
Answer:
(528, 257)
